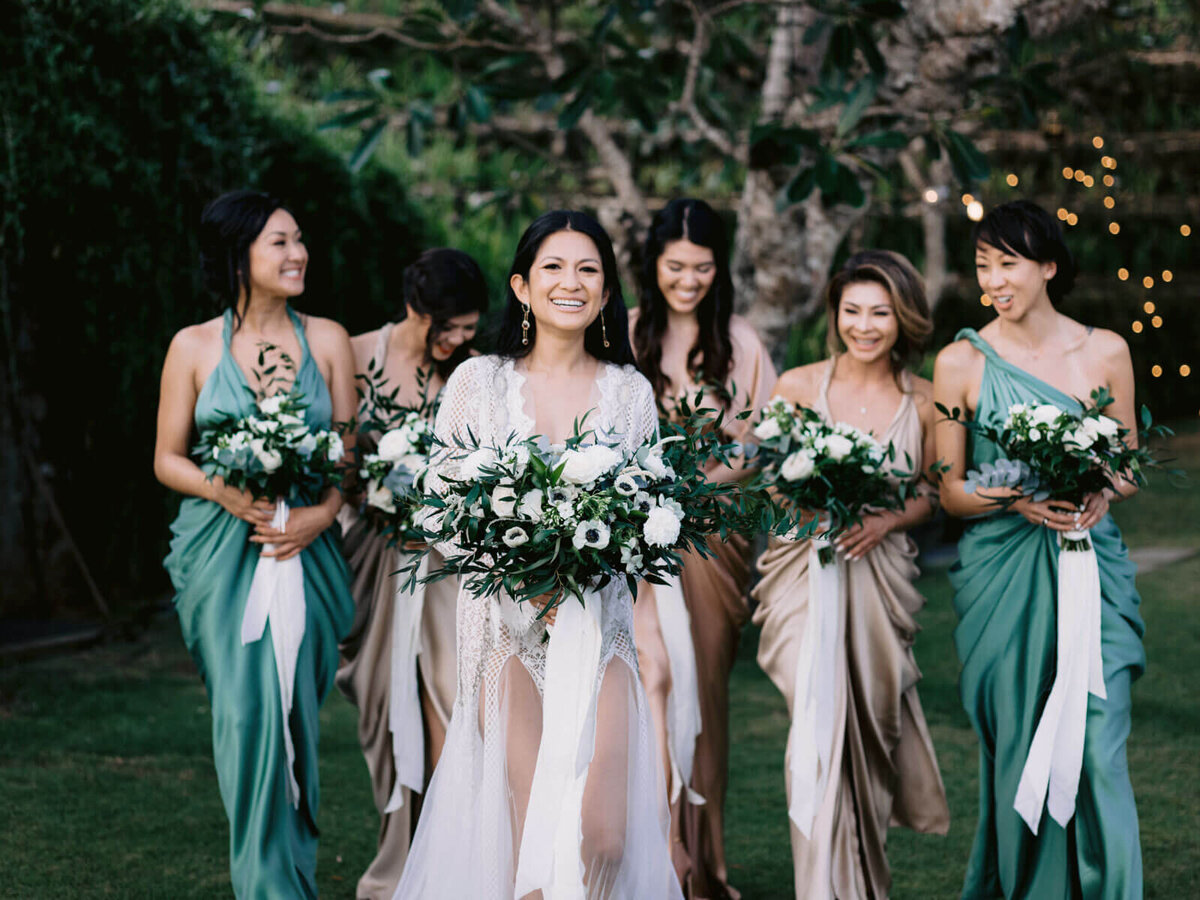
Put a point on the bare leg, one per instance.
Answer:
(606, 795)
(521, 719)
(654, 669)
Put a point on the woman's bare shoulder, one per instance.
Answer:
(800, 384)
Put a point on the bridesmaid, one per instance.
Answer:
(254, 260)
(887, 772)
(1005, 577)
(685, 336)
(444, 294)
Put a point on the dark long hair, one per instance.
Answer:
(616, 323)
(1025, 229)
(228, 226)
(711, 357)
(443, 284)
(904, 286)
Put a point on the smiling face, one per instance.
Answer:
(686, 273)
(1014, 283)
(866, 321)
(456, 332)
(278, 258)
(565, 290)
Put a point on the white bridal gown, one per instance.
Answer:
(610, 843)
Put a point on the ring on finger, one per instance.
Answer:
(1045, 521)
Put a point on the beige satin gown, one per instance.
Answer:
(889, 772)
(714, 590)
(364, 676)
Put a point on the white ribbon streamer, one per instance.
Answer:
(683, 702)
(277, 596)
(1052, 768)
(404, 700)
(550, 856)
(810, 738)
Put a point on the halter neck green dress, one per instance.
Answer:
(272, 845)
(1005, 584)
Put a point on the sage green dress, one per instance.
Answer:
(272, 845)
(1005, 584)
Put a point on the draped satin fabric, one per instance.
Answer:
(1006, 585)
(364, 675)
(272, 845)
(884, 769)
(715, 592)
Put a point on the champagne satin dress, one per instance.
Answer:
(885, 769)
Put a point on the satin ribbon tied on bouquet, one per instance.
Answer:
(277, 596)
(550, 857)
(1052, 768)
(404, 701)
(683, 702)
(811, 736)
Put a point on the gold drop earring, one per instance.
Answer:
(525, 325)
(603, 329)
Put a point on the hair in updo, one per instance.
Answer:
(228, 226)
(444, 284)
(904, 286)
(1025, 229)
(615, 321)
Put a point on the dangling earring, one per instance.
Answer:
(603, 330)
(525, 325)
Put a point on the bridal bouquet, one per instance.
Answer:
(1050, 453)
(836, 469)
(528, 521)
(272, 452)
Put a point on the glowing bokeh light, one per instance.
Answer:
(1098, 142)
(1167, 275)
(1109, 202)
(1137, 327)
(1156, 321)
(1012, 180)
(1147, 282)
(1148, 307)
(1123, 273)
(1156, 371)
(1114, 228)
(975, 211)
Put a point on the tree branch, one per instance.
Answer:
(687, 98)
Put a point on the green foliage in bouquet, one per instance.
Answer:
(272, 453)
(1060, 455)
(532, 522)
(838, 471)
(392, 475)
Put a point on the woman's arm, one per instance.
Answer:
(754, 379)
(173, 466)
(958, 366)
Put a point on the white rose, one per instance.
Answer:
(767, 429)
(413, 462)
(381, 498)
(585, 465)
(239, 441)
(798, 466)
(336, 448)
(566, 509)
(1035, 434)
(270, 406)
(531, 505)
(269, 459)
(1045, 414)
(1078, 438)
(518, 458)
(1105, 426)
(515, 537)
(395, 444)
(307, 445)
(475, 462)
(592, 533)
(262, 426)
(504, 501)
(661, 528)
(838, 447)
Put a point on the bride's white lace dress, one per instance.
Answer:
(468, 844)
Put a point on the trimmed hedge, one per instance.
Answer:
(119, 120)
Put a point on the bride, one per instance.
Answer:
(563, 351)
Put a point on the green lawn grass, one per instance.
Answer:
(107, 787)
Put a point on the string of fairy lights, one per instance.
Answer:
(1107, 180)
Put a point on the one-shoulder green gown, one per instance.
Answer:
(272, 845)
(1005, 582)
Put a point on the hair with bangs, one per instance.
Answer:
(444, 284)
(1025, 229)
(904, 286)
